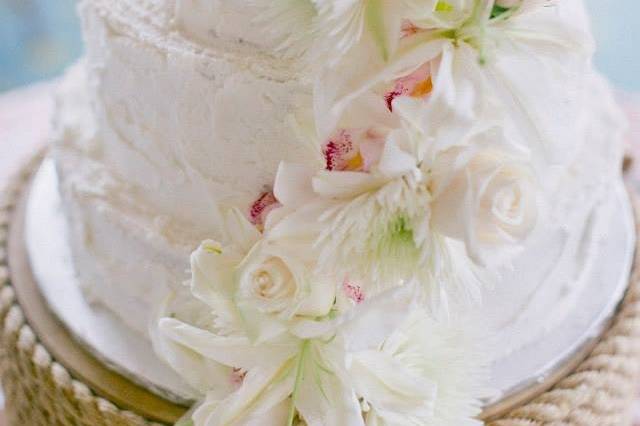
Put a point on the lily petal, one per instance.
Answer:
(263, 392)
(232, 351)
(389, 387)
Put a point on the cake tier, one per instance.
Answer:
(168, 131)
(535, 333)
(593, 377)
(184, 126)
(157, 131)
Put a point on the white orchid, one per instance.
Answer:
(515, 52)
(520, 48)
(390, 222)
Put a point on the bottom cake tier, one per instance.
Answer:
(50, 378)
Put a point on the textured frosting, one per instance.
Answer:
(178, 123)
(168, 118)
(211, 20)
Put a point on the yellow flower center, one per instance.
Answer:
(423, 88)
(355, 163)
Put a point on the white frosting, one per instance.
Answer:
(155, 131)
(209, 20)
(182, 127)
(158, 134)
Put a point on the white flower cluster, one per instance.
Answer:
(336, 302)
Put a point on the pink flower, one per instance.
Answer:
(354, 292)
(261, 208)
(340, 152)
(418, 84)
(354, 150)
(408, 28)
(237, 376)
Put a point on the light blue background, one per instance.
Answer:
(616, 24)
(39, 38)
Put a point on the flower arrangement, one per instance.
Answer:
(339, 298)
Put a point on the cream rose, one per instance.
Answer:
(274, 281)
(269, 286)
(487, 198)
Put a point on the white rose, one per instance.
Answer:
(275, 282)
(486, 198)
(269, 285)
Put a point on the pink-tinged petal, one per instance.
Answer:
(366, 329)
(418, 84)
(340, 152)
(237, 377)
(261, 208)
(371, 151)
(354, 292)
(408, 28)
(257, 401)
(354, 150)
(390, 96)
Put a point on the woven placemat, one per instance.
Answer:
(40, 391)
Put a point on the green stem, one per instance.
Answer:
(374, 18)
(296, 385)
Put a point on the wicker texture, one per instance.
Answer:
(41, 392)
(38, 390)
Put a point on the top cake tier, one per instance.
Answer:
(210, 21)
(181, 122)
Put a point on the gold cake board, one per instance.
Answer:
(49, 379)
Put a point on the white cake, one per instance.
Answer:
(181, 107)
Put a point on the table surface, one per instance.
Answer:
(25, 116)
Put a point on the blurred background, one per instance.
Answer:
(39, 38)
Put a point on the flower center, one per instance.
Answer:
(353, 292)
(508, 203)
(272, 282)
(237, 377)
(261, 208)
(417, 85)
(265, 284)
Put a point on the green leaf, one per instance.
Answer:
(498, 11)
(185, 422)
(374, 18)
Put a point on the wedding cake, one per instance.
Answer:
(343, 212)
